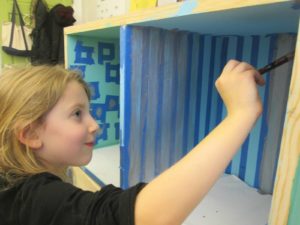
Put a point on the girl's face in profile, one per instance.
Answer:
(68, 133)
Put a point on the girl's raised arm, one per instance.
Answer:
(172, 196)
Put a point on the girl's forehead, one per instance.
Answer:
(74, 94)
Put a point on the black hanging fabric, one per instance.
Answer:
(48, 36)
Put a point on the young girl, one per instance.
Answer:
(45, 127)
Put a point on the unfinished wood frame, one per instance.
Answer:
(289, 152)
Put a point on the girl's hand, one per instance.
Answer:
(237, 87)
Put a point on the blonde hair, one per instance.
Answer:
(26, 96)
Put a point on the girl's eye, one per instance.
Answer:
(77, 113)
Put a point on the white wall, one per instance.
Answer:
(98, 9)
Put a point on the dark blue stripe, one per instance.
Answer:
(264, 124)
(160, 81)
(223, 61)
(199, 85)
(175, 95)
(210, 84)
(145, 68)
(244, 156)
(126, 57)
(93, 177)
(244, 153)
(187, 93)
(240, 45)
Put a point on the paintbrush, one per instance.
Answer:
(277, 62)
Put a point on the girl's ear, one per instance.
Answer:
(29, 136)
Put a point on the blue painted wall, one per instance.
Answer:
(170, 102)
(99, 63)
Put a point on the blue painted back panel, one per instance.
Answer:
(173, 101)
(99, 63)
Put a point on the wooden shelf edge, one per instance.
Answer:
(168, 11)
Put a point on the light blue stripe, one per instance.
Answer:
(204, 86)
(255, 134)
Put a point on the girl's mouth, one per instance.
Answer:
(90, 144)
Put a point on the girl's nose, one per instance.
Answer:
(94, 127)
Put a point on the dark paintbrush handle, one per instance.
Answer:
(277, 62)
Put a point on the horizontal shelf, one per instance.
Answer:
(206, 16)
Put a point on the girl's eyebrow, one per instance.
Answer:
(78, 105)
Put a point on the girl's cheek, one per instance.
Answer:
(78, 135)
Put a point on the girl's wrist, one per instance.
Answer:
(246, 115)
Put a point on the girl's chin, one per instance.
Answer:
(85, 159)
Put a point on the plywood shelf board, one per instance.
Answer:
(208, 14)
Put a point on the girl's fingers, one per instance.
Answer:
(231, 64)
(259, 78)
(242, 67)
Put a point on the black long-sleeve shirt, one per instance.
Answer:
(44, 199)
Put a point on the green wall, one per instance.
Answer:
(5, 15)
(294, 217)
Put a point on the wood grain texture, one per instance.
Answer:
(168, 11)
(289, 152)
(83, 181)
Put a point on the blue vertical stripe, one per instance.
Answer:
(174, 106)
(223, 60)
(160, 75)
(187, 92)
(193, 92)
(199, 86)
(214, 93)
(205, 86)
(210, 85)
(125, 38)
(181, 64)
